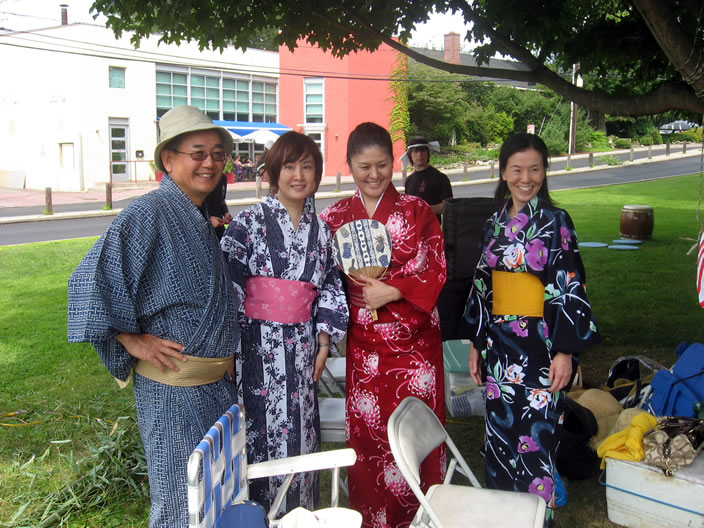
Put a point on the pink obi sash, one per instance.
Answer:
(279, 300)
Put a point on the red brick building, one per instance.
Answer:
(327, 97)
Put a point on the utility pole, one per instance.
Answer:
(576, 79)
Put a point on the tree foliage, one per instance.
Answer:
(526, 107)
(441, 105)
(485, 125)
(644, 56)
(556, 131)
(437, 105)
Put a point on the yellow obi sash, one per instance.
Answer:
(519, 293)
(195, 371)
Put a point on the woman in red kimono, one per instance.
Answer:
(399, 354)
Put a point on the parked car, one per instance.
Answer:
(677, 127)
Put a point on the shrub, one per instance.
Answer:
(599, 141)
(555, 141)
(486, 125)
(655, 136)
(622, 143)
(466, 152)
(646, 141)
(694, 135)
(610, 160)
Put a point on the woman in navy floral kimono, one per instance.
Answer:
(530, 319)
(294, 308)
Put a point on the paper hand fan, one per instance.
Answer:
(362, 248)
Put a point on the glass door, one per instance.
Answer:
(118, 152)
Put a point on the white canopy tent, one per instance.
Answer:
(263, 137)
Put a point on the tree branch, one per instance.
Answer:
(666, 97)
(686, 55)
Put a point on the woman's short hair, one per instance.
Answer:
(290, 147)
(368, 135)
(519, 143)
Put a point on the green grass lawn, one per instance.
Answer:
(75, 424)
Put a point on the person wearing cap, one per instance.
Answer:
(154, 299)
(261, 167)
(426, 182)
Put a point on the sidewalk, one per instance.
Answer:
(27, 197)
(14, 198)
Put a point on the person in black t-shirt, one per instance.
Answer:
(217, 207)
(426, 181)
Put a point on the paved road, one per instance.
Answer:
(457, 176)
(85, 227)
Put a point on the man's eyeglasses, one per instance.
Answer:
(201, 155)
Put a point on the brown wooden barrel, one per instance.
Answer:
(637, 222)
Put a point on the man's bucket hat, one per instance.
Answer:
(182, 120)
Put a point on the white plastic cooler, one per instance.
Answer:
(641, 496)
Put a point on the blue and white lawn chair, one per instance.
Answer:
(218, 474)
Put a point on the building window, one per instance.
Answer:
(235, 100)
(221, 96)
(116, 77)
(171, 90)
(313, 93)
(229, 99)
(205, 94)
(263, 102)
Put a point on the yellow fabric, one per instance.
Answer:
(517, 294)
(627, 444)
(195, 371)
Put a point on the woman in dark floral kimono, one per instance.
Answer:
(530, 319)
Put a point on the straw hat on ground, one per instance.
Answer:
(605, 408)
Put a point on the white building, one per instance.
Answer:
(79, 107)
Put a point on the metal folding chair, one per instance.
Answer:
(337, 369)
(218, 472)
(331, 404)
(414, 431)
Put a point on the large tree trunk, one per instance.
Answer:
(597, 120)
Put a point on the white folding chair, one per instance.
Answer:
(337, 369)
(218, 471)
(332, 411)
(332, 419)
(414, 431)
(331, 404)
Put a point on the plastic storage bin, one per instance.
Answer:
(641, 496)
(462, 396)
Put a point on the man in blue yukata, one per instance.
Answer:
(154, 298)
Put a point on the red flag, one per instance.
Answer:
(700, 270)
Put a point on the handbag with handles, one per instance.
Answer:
(673, 443)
